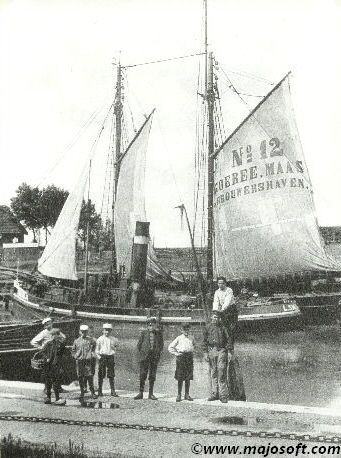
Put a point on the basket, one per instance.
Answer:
(38, 361)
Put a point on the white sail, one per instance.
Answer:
(264, 216)
(59, 257)
(130, 202)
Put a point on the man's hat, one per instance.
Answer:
(84, 327)
(46, 320)
(107, 326)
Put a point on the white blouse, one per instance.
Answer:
(181, 344)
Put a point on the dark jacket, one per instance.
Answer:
(143, 345)
(217, 335)
(53, 351)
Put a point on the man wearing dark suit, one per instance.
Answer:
(150, 346)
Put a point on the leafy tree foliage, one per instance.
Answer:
(89, 214)
(52, 200)
(25, 205)
(39, 209)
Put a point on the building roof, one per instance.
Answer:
(9, 223)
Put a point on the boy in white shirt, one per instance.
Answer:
(182, 347)
(106, 346)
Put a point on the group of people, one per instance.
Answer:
(218, 348)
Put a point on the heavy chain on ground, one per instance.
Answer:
(168, 429)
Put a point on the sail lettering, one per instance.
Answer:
(235, 178)
(275, 151)
(237, 157)
(299, 166)
(259, 187)
(270, 168)
(279, 168)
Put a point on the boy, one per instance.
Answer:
(182, 347)
(52, 351)
(44, 336)
(150, 346)
(83, 351)
(106, 346)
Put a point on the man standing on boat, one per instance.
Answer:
(150, 346)
(224, 303)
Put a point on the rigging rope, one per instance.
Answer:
(87, 123)
(91, 154)
(250, 110)
(164, 60)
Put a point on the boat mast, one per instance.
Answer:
(87, 236)
(117, 153)
(210, 99)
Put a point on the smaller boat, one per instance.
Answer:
(16, 351)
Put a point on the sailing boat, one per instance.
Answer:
(260, 216)
(59, 257)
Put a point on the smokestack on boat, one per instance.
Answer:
(139, 260)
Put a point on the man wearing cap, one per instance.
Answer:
(40, 339)
(44, 336)
(218, 351)
(83, 351)
(106, 346)
(150, 346)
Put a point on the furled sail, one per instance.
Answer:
(130, 202)
(59, 257)
(264, 216)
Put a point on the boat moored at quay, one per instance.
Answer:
(258, 212)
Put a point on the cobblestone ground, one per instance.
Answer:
(234, 422)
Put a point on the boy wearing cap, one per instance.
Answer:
(44, 336)
(52, 351)
(106, 346)
(150, 346)
(83, 351)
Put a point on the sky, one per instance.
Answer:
(57, 71)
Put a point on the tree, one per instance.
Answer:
(25, 206)
(52, 200)
(38, 208)
(41, 208)
(89, 214)
(105, 236)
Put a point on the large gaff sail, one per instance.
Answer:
(264, 216)
(130, 202)
(59, 257)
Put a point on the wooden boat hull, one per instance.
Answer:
(265, 316)
(319, 308)
(16, 351)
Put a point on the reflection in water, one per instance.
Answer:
(99, 405)
(301, 367)
(265, 422)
